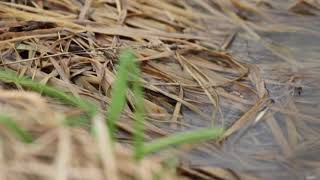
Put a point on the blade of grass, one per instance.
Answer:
(139, 113)
(10, 76)
(21, 133)
(128, 66)
(119, 91)
(182, 138)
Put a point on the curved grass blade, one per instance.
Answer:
(139, 113)
(128, 67)
(10, 76)
(119, 92)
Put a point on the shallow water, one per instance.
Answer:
(285, 144)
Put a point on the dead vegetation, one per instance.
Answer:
(203, 63)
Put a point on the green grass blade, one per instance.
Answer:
(119, 92)
(128, 66)
(10, 76)
(139, 113)
(182, 138)
(18, 131)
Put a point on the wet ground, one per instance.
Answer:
(284, 144)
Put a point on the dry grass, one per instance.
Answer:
(203, 63)
(61, 152)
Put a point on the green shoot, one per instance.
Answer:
(127, 68)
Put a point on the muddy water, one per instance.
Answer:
(286, 142)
